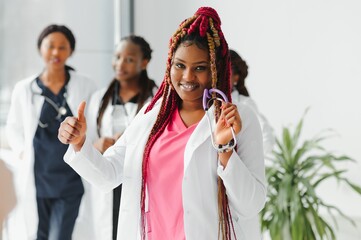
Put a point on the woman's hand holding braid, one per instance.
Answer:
(72, 130)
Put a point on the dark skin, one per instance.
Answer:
(128, 62)
(55, 50)
(190, 75)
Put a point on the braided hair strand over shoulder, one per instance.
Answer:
(204, 30)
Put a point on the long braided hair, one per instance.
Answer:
(145, 84)
(202, 29)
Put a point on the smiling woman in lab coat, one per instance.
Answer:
(52, 191)
(179, 181)
(110, 111)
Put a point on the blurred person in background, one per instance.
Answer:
(110, 111)
(240, 94)
(52, 191)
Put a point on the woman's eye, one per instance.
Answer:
(179, 65)
(201, 68)
(129, 60)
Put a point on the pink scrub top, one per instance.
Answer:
(164, 183)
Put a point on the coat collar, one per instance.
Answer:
(36, 99)
(200, 134)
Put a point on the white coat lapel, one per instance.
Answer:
(199, 136)
(37, 103)
(137, 135)
(72, 98)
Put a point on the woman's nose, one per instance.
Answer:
(119, 62)
(188, 74)
(55, 51)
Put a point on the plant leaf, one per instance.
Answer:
(294, 173)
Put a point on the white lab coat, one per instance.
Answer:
(244, 177)
(21, 126)
(100, 204)
(269, 138)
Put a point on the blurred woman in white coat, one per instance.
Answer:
(110, 111)
(52, 191)
(240, 94)
(191, 167)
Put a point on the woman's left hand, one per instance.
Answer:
(229, 118)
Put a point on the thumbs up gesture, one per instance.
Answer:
(72, 130)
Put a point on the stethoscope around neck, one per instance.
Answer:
(208, 100)
(61, 110)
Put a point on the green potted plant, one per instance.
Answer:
(295, 171)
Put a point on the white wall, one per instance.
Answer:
(300, 54)
(22, 21)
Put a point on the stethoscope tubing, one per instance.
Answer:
(60, 110)
(207, 95)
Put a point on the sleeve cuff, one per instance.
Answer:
(71, 155)
(224, 171)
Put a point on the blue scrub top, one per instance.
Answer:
(53, 177)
